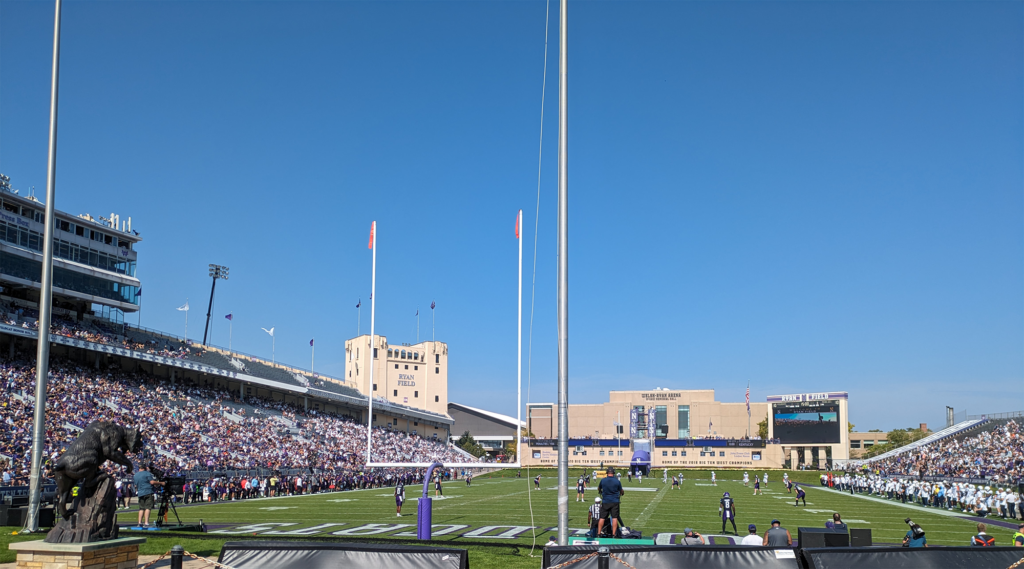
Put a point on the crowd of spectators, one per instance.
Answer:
(996, 454)
(189, 427)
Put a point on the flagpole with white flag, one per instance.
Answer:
(373, 304)
(185, 309)
(273, 344)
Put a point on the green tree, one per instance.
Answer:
(762, 428)
(875, 431)
(850, 427)
(513, 446)
(467, 443)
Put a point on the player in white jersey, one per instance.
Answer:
(664, 476)
(746, 479)
(713, 481)
(785, 478)
(765, 479)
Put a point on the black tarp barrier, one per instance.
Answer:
(907, 558)
(674, 557)
(321, 555)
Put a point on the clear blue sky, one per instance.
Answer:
(806, 196)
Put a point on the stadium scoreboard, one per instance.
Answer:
(809, 418)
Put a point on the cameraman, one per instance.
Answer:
(915, 536)
(144, 482)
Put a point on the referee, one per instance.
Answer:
(610, 490)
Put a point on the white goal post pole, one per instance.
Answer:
(373, 304)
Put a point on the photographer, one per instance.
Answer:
(915, 536)
(144, 482)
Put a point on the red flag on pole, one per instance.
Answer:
(517, 226)
(372, 226)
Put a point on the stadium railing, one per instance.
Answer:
(998, 416)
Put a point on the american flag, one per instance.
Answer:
(748, 399)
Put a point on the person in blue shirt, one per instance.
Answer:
(144, 482)
(915, 536)
(610, 490)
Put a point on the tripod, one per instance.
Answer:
(165, 501)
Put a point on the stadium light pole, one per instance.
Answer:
(45, 298)
(563, 275)
(216, 272)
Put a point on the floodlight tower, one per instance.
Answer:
(216, 272)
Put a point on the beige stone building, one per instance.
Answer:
(679, 428)
(861, 442)
(690, 429)
(412, 375)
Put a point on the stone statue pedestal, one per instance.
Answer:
(120, 553)
(93, 516)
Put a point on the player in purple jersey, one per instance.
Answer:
(727, 508)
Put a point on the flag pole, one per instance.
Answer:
(231, 326)
(373, 304)
(186, 320)
(45, 300)
(312, 354)
(563, 276)
(359, 315)
(417, 325)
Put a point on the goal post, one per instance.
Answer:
(370, 463)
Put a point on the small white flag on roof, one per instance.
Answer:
(184, 307)
(271, 331)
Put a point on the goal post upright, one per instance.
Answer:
(519, 369)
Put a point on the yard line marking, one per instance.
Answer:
(644, 515)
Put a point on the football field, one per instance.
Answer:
(499, 516)
(509, 510)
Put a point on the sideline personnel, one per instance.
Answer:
(610, 489)
(144, 482)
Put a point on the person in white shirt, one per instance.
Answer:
(752, 538)
(746, 479)
(713, 478)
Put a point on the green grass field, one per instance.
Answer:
(465, 513)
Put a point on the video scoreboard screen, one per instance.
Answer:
(806, 422)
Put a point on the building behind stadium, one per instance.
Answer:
(690, 429)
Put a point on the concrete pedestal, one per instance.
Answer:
(120, 553)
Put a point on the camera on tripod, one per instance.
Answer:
(172, 485)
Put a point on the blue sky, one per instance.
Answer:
(806, 196)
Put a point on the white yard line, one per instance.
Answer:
(644, 515)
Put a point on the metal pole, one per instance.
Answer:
(563, 277)
(209, 309)
(373, 305)
(177, 557)
(519, 358)
(45, 299)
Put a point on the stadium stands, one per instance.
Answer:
(190, 427)
(946, 433)
(993, 451)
